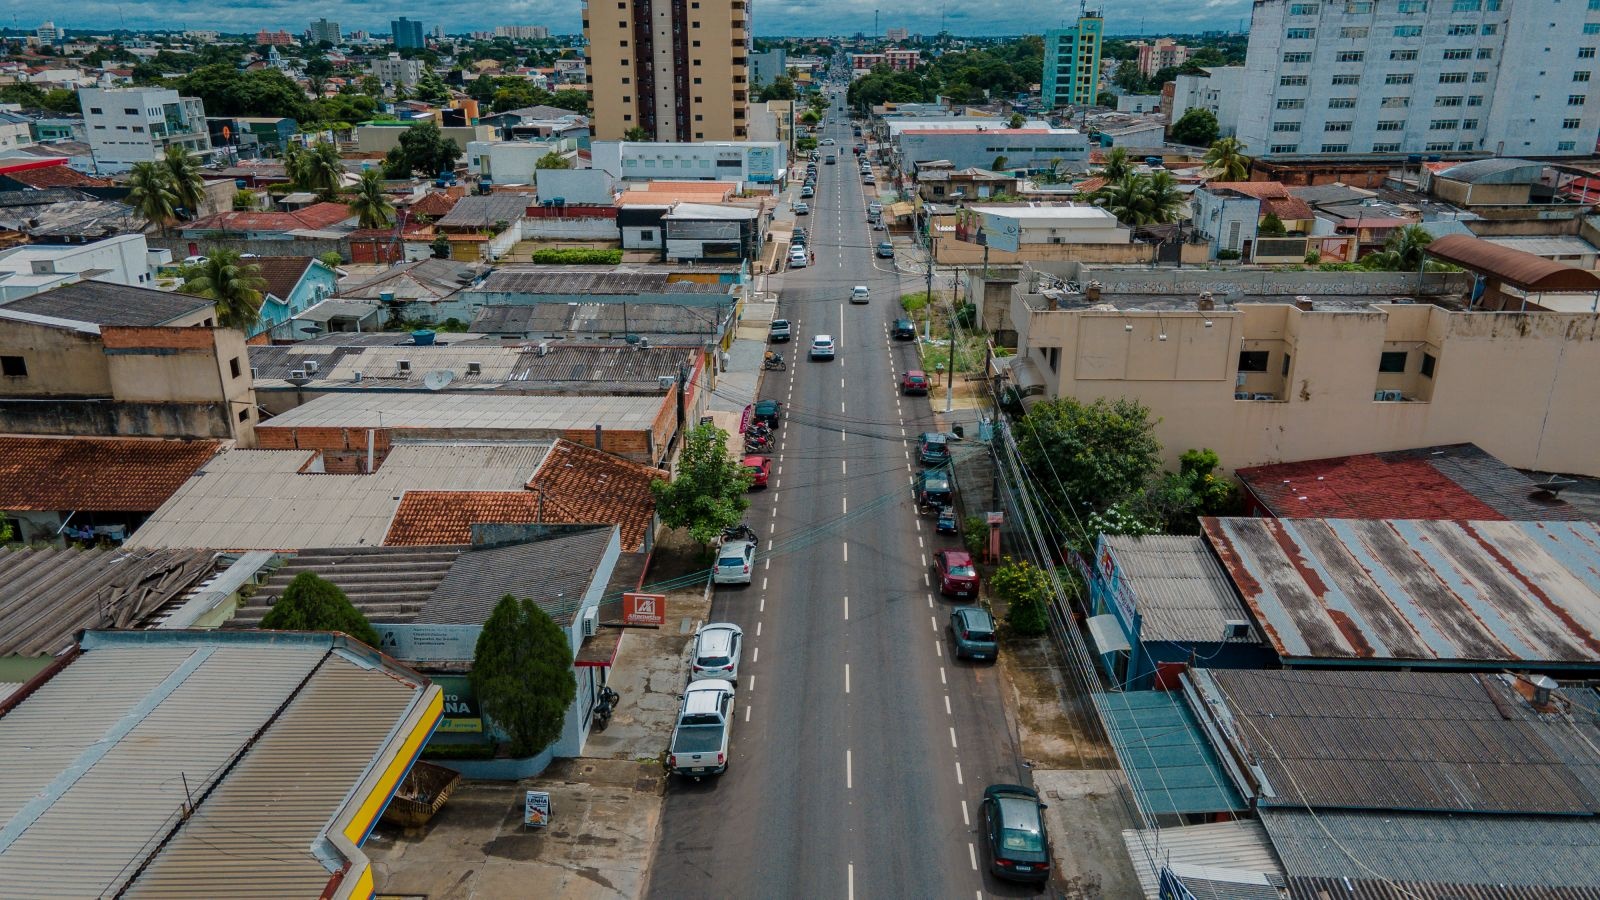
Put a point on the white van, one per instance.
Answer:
(860, 294)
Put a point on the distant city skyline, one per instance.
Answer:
(978, 18)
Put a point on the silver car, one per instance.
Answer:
(717, 648)
(735, 561)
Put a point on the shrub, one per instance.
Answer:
(577, 256)
(1026, 590)
(1227, 254)
(522, 674)
(975, 534)
(312, 603)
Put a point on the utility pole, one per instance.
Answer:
(927, 326)
(683, 380)
(950, 374)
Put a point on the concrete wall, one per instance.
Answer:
(578, 187)
(60, 363)
(951, 252)
(182, 247)
(1519, 385)
(114, 418)
(1247, 282)
(572, 229)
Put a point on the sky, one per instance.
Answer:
(771, 17)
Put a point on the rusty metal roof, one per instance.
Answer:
(1517, 268)
(1418, 591)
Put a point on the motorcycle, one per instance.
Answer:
(773, 362)
(757, 443)
(604, 706)
(739, 533)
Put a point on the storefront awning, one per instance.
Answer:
(1170, 763)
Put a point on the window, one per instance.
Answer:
(1440, 147)
(1461, 30)
(1335, 148)
(1594, 5)
(233, 367)
(1397, 78)
(1575, 99)
(1586, 53)
(1285, 126)
(1465, 6)
(1358, 7)
(1444, 124)
(1392, 125)
(1353, 33)
(1485, 53)
(1291, 104)
(1571, 124)
(1297, 57)
(1336, 126)
(1253, 360)
(13, 367)
(244, 414)
(1491, 28)
(1452, 77)
(1481, 77)
(1393, 361)
(1591, 28)
(1468, 125)
(1304, 9)
(96, 110)
(1458, 54)
(1405, 31)
(1566, 146)
(1580, 76)
(1385, 148)
(1475, 100)
(1346, 79)
(1402, 55)
(1286, 365)
(1292, 80)
(1447, 101)
(647, 234)
(1396, 102)
(1350, 56)
(1284, 148)
(1300, 34)
(1342, 103)
(1413, 6)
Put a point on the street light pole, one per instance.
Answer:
(950, 373)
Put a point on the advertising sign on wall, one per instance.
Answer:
(644, 609)
(419, 643)
(461, 712)
(760, 165)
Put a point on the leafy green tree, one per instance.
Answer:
(312, 603)
(1271, 226)
(431, 88)
(1017, 120)
(998, 164)
(319, 67)
(440, 246)
(60, 100)
(553, 160)
(423, 148)
(322, 170)
(245, 199)
(522, 675)
(707, 494)
(1026, 591)
(1406, 250)
(1138, 199)
(227, 91)
(1227, 157)
(183, 178)
(331, 259)
(236, 288)
(569, 99)
(781, 88)
(636, 134)
(29, 96)
(1088, 457)
(1197, 127)
(369, 203)
(150, 194)
(1117, 165)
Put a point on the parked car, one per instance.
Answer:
(972, 631)
(759, 468)
(822, 347)
(767, 412)
(914, 383)
(903, 330)
(860, 294)
(867, 178)
(828, 142)
(1014, 829)
(874, 209)
(885, 250)
(932, 489)
(797, 258)
(802, 209)
(779, 331)
(717, 646)
(956, 574)
(699, 744)
(933, 448)
(735, 561)
(806, 192)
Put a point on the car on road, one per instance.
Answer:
(957, 576)
(903, 330)
(860, 294)
(699, 744)
(932, 489)
(868, 178)
(885, 250)
(877, 225)
(780, 331)
(807, 191)
(874, 209)
(914, 383)
(759, 468)
(1014, 829)
(802, 209)
(822, 347)
(829, 142)
(735, 560)
(860, 147)
(717, 647)
(933, 448)
(830, 160)
(972, 631)
(797, 258)
(767, 412)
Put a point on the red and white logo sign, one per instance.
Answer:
(644, 609)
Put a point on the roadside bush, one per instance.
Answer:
(1227, 254)
(577, 256)
(458, 751)
(1026, 590)
(913, 302)
(975, 534)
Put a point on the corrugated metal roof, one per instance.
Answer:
(97, 765)
(1436, 856)
(555, 572)
(1418, 590)
(261, 500)
(1239, 847)
(484, 210)
(1179, 588)
(444, 412)
(51, 593)
(1548, 245)
(1514, 267)
(1169, 763)
(106, 303)
(1416, 741)
(570, 280)
(561, 319)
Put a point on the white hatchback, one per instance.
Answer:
(735, 561)
(860, 294)
(716, 652)
(822, 347)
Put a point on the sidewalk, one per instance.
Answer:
(651, 669)
(737, 387)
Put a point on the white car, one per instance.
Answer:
(797, 259)
(822, 347)
(860, 294)
(828, 142)
(194, 260)
(735, 561)
(716, 652)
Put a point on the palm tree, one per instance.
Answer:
(369, 203)
(1163, 199)
(1227, 156)
(294, 166)
(1116, 166)
(183, 178)
(1404, 251)
(235, 288)
(150, 193)
(1141, 199)
(323, 169)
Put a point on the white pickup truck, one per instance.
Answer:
(700, 742)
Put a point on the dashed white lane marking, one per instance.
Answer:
(845, 502)
(941, 675)
(965, 819)
(758, 634)
(972, 855)
(947, 707)
(918, 523)
(767, 564)
(846, 551)
(763, 607)
(772, 528)
(933, 623)
(778, 483)
(847, 609)
(919, 540)
(763, 583)
(938, 649)
(926, 581)
(844, 467)
(747, 712)
(750, 685)
(847, 678)
(774, 512)
(850, 881)
(755, 655)
(849, 778)
(959, 779)
(952, 737)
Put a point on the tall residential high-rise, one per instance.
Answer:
(675, 70)
(1164, 53)
(48, 33)
(407, 34)
(522, 32)
(1072, 63)
(323, 30)
(1509, 77)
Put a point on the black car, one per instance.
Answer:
(1013, 824)
(903, 330)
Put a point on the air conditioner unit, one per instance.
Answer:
(253, 372)
(591, 621)
(1241, 395)
(356, 375)
(311, 366)
(402, 365)
(297, 373)
(474, 368)
(1235, 628)
(1380, 395)
(666, 381)
(1263, 396)
(1393, 396)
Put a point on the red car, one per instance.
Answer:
(914, 382)
(760, 469)
(958, 577)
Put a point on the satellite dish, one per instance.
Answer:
(438, 379)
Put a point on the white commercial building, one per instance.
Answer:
(1217, 89)
(129, 125)
(747, 162)
(994, 147)
(34, 268)
(396, 72)
(1509, 77)
(1011, 227)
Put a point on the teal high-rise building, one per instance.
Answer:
(1072, 63)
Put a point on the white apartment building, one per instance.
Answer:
(396, 72)
(746, 162)
(129, 125)
(522, 32)
(324, 30)
(1216, 89)
(1509, 77)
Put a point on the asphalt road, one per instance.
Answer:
(861, 748)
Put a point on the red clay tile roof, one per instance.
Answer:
(56, 177)
(436, 204)
(315, 217)
(447, 517)
(282, 273)
(104, 474)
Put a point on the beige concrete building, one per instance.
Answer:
(1279, 382)
(678, 71)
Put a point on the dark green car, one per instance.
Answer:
(767, 412)
(1013, 823)
(903, 330)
